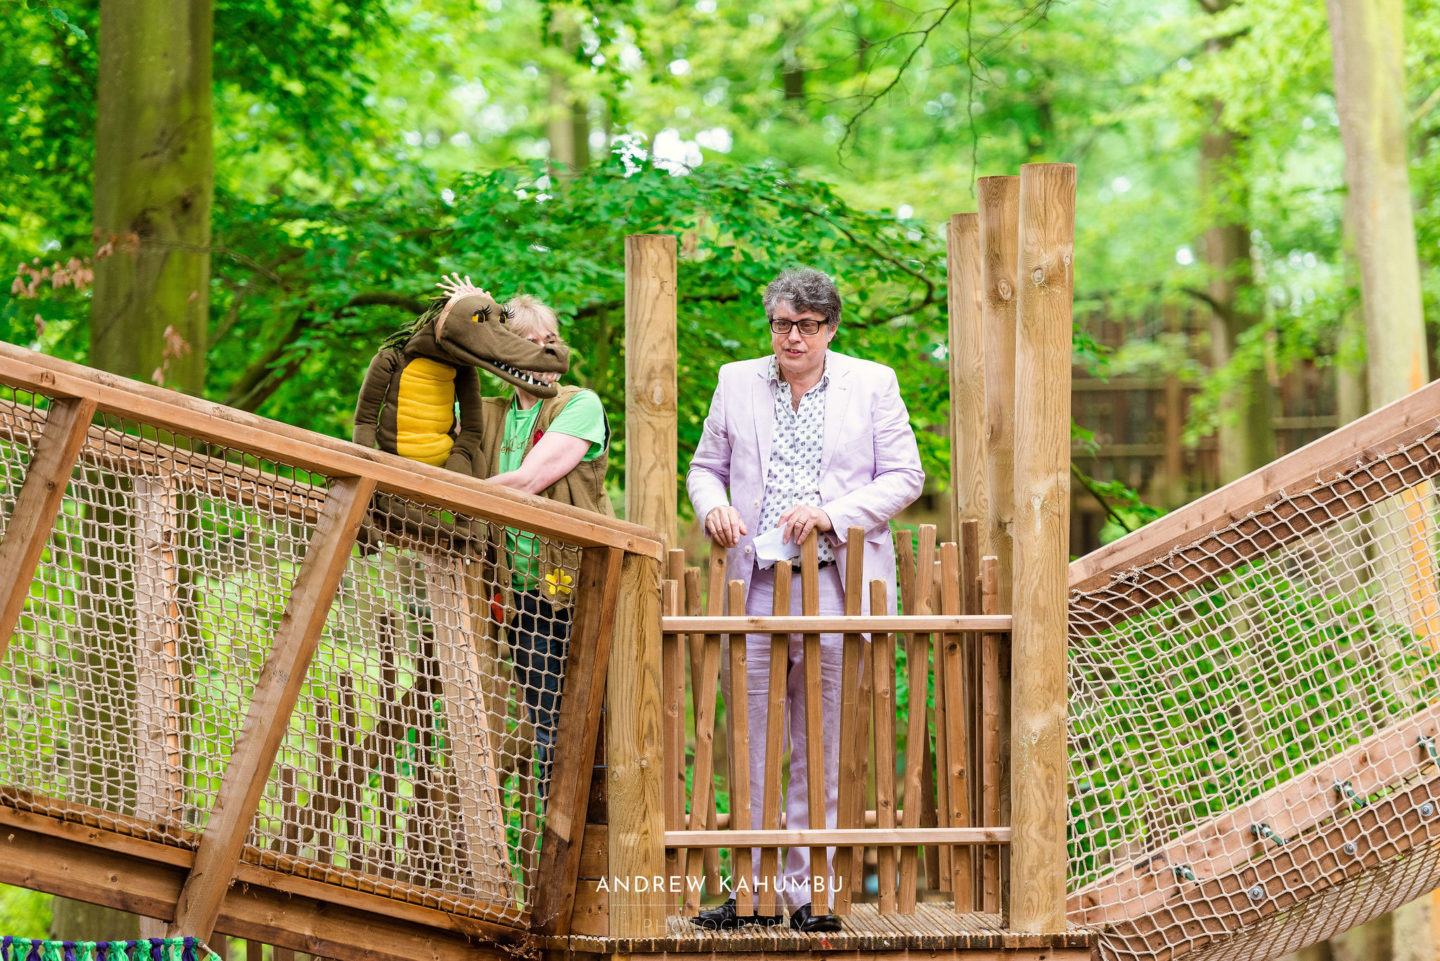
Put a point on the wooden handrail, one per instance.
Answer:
(275, 441)
(838, 623)
(839, 837)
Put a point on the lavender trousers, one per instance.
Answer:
(796, 882)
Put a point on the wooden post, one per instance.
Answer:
(633, 743)
(276, 692)
(159, 774)
(1042, 508)
(650, 391)
(577, 731)
(66, 427)
(969, 493)
(999, 241)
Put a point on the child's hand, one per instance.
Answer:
(454, 286)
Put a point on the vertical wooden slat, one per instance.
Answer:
(775, 710)
(673, 678)
(880, 663)
(705, 677)
(482, 815)
(254, 951)
(650, 382)
(999, 199)
(633, 740)
(33, 518)
(354, 771)
(991, 710)
(389, 727)
(852, 783)
(916, 655)
(158, 765)
(274, 698)
(587, 661)
(950, 667)
(714, 606)
(1042, 508)
(814, 717)
(737, 723)
(969, 497)
(935, 787)
(970, 604)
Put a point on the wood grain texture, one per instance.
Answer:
(650, 419)
(33, 518)
(950, 667)
(880, 662)
(999, 200)
(577, 733)
(969, 483)
(853, 749)
(775, 707)
(633, 744)
(276, 691)
(814, 715)
(737, 723)
(1042, 507)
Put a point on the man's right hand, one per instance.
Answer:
(724, 526)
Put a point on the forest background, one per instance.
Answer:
(313, 166)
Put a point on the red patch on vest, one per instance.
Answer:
(536, 438)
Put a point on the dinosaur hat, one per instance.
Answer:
(476, 331)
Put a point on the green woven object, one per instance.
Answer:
(153, 949)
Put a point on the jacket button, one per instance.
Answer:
(757, 503)
(747, 550)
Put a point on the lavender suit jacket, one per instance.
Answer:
(869, 463)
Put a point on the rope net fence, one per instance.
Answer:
(417, 759)
(1253, 722)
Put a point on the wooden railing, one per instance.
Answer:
(946, 807)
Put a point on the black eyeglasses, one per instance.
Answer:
(783, 327)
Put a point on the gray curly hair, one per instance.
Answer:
(806, 289)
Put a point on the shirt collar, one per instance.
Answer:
(772, 373)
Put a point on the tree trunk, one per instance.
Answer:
(1368, 38)
(1247, 440)
(154, 179)
(1368, 43)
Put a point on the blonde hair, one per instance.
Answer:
(529, 316)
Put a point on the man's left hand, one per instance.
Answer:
(800, 520)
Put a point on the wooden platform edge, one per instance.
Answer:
(119, 871)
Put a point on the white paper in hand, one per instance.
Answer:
(771, 547)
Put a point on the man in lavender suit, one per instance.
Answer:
(805, 439)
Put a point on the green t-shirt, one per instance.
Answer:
(582, 417)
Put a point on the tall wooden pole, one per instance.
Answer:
(651, 463)
(999, 243)
(633, 746)
(1042, 508)
(969, 495)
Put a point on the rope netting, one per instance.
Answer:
(1253, 720)
(417, 759)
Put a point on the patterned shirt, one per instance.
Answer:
(794, 473)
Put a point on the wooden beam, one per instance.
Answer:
(650, 383)
(274, 699)
(1042, 508)
(839, 623)
(633, 742)
(861, 837)
(586, 661)
(999, 199)
(969, 484)
(159, 766)
(32, 520)
(274, 441)
(1225, 843)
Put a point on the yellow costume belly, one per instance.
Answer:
(425, 412)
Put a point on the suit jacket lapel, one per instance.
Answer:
(762, 401)
(837, 406)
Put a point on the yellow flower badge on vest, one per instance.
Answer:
(558, 582)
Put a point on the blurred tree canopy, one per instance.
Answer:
(363, 148)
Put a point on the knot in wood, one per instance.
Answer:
(1038, 276)
(1004, 290)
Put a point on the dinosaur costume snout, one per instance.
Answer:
(484, 339)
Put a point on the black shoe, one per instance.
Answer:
(806, 923)
(726, 917)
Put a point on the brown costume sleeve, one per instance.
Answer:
(372, 397)
(466, 456)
